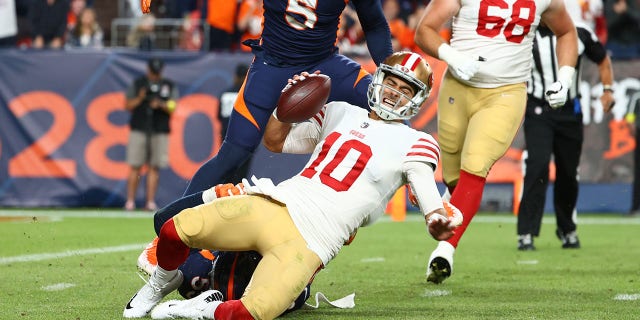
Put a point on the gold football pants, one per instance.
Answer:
(242, 223)
(476, 126)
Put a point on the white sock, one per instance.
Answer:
(162, 276)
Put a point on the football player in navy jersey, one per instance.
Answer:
(295, 38)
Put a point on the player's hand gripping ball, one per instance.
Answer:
(303, 97)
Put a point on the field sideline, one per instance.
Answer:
(80, 264)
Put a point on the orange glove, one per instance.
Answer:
(145, 5)
(221, 191)
(228, 189)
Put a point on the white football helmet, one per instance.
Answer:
(411, 68)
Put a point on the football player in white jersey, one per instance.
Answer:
(359, 159)
(483, 95)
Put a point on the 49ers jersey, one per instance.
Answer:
(355, 169)
(502, 32)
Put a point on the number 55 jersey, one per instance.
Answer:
(356, 166)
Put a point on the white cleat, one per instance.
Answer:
(202, 306)
(149, 296)
(440, 263)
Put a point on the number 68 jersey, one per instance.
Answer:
(354, 170)
(500, 31)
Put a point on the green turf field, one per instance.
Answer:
(75, 264)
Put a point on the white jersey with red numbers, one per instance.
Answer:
(501, 32)
(355, 169)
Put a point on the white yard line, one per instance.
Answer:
(70, 253)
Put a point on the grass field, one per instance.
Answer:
(80, 264)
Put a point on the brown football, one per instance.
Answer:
(303, 99)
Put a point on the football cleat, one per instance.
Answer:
(525, 242)
(569, 240)
(440, 263)
(149, 296)
(202, 306)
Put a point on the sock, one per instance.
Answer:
(466, 197)
(232, 309)
(171, 252)
(164, 276)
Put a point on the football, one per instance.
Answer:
(303, 99)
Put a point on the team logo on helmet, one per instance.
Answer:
(410, 68)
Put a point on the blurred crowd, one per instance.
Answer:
(222, 25)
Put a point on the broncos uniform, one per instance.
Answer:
(297, 36)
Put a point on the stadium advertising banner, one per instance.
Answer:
(64, 129)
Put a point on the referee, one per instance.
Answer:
(559, 132)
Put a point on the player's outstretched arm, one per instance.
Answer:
(376, 29)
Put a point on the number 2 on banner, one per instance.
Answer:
(491, 25)
(340, 156)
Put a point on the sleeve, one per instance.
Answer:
(376, 29)
(425, 149)
(421, 178)
(302, 138)
(593, 49)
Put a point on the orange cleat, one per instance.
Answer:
(145, 5)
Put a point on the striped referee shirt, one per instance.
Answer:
(545, 63)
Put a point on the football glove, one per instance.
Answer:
(454, 214)
(223, 190)
(557, 93)
(461, 65)
(260, 186)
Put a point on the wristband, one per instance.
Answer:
(607, 87)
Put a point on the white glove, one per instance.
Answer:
(462, 65)
(557, 93)
(455, 215)
(260, 186)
